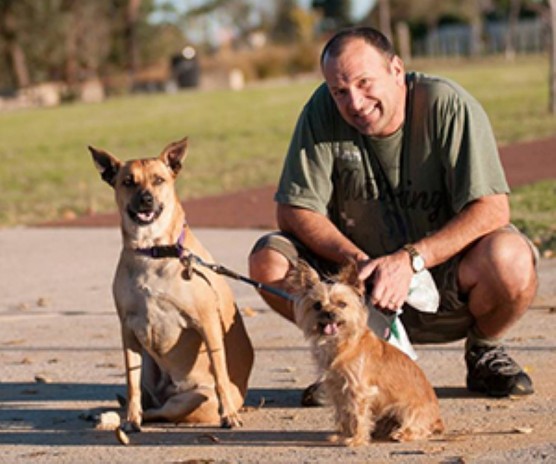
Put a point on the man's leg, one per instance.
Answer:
(499, 277)
(269, 261)
(268, 266)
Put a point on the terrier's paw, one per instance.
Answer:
(231, 421)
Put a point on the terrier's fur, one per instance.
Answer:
(375, 388)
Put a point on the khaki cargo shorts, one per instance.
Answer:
(451, 322)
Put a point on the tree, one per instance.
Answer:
(552, 81)
(385, 24)
(285, 27)
(335, 13)
(513, 17)
(10, 33)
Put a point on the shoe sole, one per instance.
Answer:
(516, 390)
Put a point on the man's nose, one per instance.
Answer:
(355, 99)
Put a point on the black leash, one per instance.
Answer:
(186, 260)
(186, 256)
(381, 322)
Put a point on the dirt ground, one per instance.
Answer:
(61, 362)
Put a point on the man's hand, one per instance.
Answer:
(387, 279)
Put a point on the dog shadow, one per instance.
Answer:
(36, 414)
(455, 393)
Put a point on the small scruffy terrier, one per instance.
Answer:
(375, 388)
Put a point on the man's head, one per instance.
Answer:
(366, 79)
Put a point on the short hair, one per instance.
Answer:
(376, 39)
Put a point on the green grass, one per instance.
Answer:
(237, 139)
(533, 209)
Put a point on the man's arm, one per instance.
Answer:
(318, 233)
(477, 219)
(391, 274)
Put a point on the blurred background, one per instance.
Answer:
(54, 51)
(130, 76)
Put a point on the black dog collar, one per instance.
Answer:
(165, 251)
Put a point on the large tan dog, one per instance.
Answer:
(187, 354)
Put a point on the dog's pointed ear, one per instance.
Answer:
(349, 275)
(174, 154)
(106, 164)
(301, 277)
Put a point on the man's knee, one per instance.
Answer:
(267, 265)
(503, 260)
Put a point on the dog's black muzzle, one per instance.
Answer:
(144, 209)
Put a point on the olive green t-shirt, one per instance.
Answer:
(385, 192)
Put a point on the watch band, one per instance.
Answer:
(411, 250)
(417, 261)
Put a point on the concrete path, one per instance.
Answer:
(61, 362)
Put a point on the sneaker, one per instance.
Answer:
(314, 395)
(490, 370)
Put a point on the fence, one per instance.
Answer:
(529, 36)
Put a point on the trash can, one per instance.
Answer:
(185, 68)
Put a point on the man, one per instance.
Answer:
(401, 172)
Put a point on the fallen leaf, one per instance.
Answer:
(43, 302)
(18, 341)
(524, 430)
(249, 312)
(41, 378)
(121, 436)
(208, 436)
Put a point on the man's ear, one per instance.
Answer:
(174, 154)
(106, 164)
(397, 68)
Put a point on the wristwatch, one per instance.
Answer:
(417, 261)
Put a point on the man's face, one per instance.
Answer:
(369, 90)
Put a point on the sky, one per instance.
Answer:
(359, 7)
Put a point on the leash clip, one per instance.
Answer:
(186, 261)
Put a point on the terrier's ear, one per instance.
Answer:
(106, 164)
(301, 277)
(349, 275)
(174, 154)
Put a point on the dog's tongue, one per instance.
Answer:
(145, 217)
(330, 329)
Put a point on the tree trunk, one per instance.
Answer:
(513, 16)
(384, 18)
(16, 55)
(476, 29)
(552, 79)
(404, 41)
(71, 68)
(132, 14)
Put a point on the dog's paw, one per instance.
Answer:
(409, 434)
(335, 438)
(356, 440)
(231, 421)
(130, 426)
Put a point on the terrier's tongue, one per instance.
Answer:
(330, 329)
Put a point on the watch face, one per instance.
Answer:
(418, 263)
